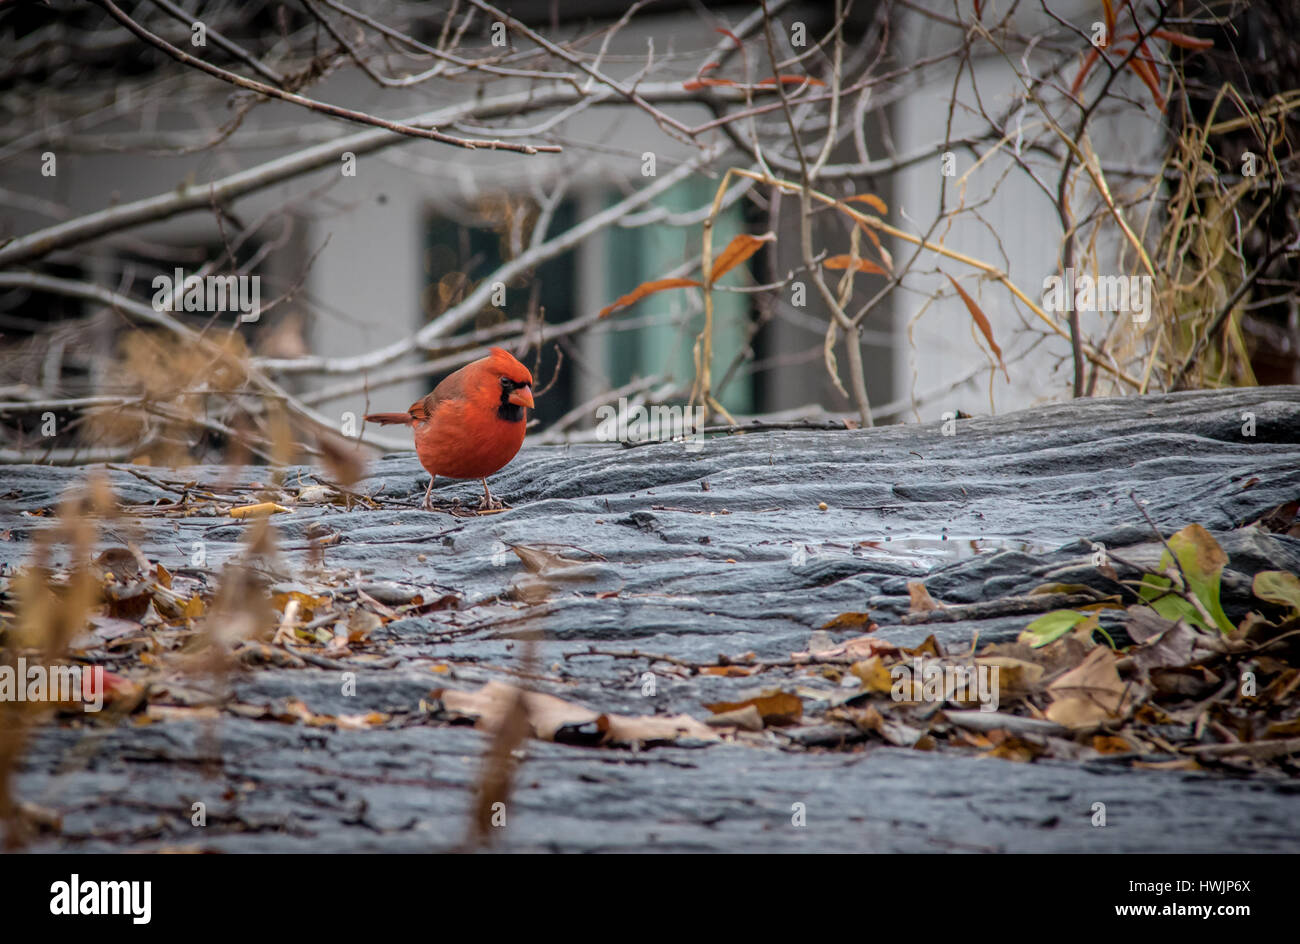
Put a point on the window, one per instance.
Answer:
(665, 344)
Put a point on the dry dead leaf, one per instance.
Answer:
(1014, 748)
(871, 199)
(738, 250)
(652, 729)
(644, 289)
(259, 510)
(549, 716)
(1089, 693)
(982, 322)
(853, 650)
(728, 671)
(928, 648)
(849, 621)
(875, 677)
(922, 602)
(1015, 676)
(861, 265)
(1111, 744)
(360, 722)
(774, 706)
(489, 705)
(747, 719)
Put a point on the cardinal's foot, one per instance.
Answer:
(491, 504)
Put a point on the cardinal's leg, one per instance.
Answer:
(428, 504)
(489, 503)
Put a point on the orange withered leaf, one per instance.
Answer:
(982, 322)
(859, 265)
(791, 80)
(870, 198)
(644, 289)
(696, 84)
(1147, 73)
(737, 251)
(1183, 40)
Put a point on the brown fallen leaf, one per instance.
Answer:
(849, 621)
(360, 722)
(928, 648)
(867, 718)
(548, 716)
(540, 561)
(1089, 693)
(129, 601)
(1015, 676)
(1184, 763)
(652, 729)
(1014, 748)
(747, 719)
(852, 650)
(728, 671)
(309, 605)
(1171, 645)
(774, 706)
(922, 602)
(1111, 744)
(181, 713)
(489, 706)
(1183, 681)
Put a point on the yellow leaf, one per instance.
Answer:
(875, 677)
(261, 509)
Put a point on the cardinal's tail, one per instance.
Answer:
(388, 419)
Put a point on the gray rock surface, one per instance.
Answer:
(692, 553)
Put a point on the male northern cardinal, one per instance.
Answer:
(473, 422)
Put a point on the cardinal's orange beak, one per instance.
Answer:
(522, 396)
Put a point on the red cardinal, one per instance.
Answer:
(473, 422)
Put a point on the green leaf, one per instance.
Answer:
(1277, 586)
(1171, 607)
(1202, 562)
(1050, 627)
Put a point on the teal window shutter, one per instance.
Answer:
(666, 345)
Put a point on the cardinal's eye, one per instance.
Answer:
(506, 383)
